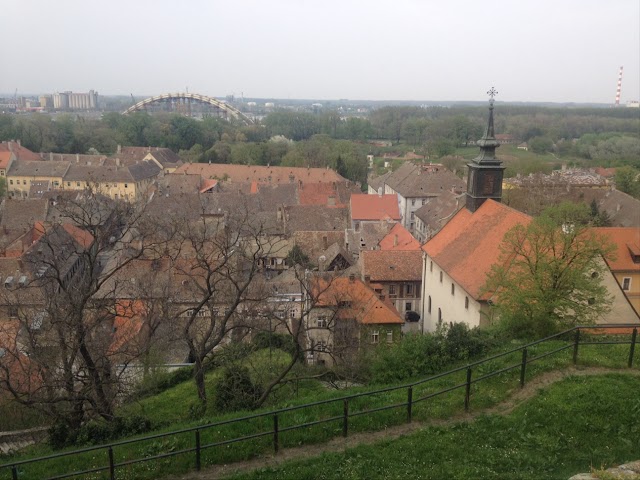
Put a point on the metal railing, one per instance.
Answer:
(111, 466)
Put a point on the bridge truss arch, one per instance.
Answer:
(187, 98)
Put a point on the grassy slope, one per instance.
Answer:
(173, 405)
(567, 428)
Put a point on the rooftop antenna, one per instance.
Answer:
(617, 104)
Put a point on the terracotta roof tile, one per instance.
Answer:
(392, 266)
(363, 303)
(374, 207)
(399, 238)
(468, 245)
(627, 242)
(261, 174)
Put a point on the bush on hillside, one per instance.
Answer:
(95, 432)
(236, 391)
(420, 355)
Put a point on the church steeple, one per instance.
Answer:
(485, 171)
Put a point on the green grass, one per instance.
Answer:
(174, 404)
(566, 429)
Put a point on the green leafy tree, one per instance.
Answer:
(627, 181)
(549, 275)
(540, 144)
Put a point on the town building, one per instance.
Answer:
(373, 209)
(397, 275)
(415, 185)
(457, 260)
(346, 316)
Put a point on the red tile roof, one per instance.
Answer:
(374, 207)
(399, 238)
(20, 152)
(392, 266)
(261, 174)
(4, 159)
(363, 303)
(468, 245)
(627, 242)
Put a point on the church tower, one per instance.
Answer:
(485, 171)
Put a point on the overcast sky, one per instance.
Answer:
(530, 50)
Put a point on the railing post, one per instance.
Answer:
(467, 390)
(112, 466)
(409, 403)
(576, 342)
(14, 473)
(198, 465)
(634, 335)
(345, 417)
(275, 433)
(523, 368)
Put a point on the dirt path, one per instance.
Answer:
(366, 438)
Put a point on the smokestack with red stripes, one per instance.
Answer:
(619, 88)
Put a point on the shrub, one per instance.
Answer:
(95, 432)
(420, 355)
(235, 390)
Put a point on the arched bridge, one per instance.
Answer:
(186, 99)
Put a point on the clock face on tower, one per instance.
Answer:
(488, 183)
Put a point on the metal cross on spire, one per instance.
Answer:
(492, 93)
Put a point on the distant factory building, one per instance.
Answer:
(75, 101)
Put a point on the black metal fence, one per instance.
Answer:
(110, 466)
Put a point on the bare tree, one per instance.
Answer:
(64, 310)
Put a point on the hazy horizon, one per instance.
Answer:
(407, 50)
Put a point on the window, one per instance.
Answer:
(10, 182)
(441, 277)
(408, 306)
(626, 284)
(392, 290)
(409, 289)
(322, 322)
(68, 184)
(24, 182)
(126, 185)
(375, 336)
(424, 201)
(413, 215)
(431, 266)
(413, 203)
(321, 346)
(466, 302)
(439, 316)
(2, 172)
(429, 305)
(77, 184)
(453, 289)
(389, 336)
(13, 311)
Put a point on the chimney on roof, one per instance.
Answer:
(395, 240)
(19, 142)
(352, 278)
(380, 191)
(51, 156)
(117, 162)
(149, 149)
(10, 145)
(77, 158)
(300, 184)
(119, 149)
